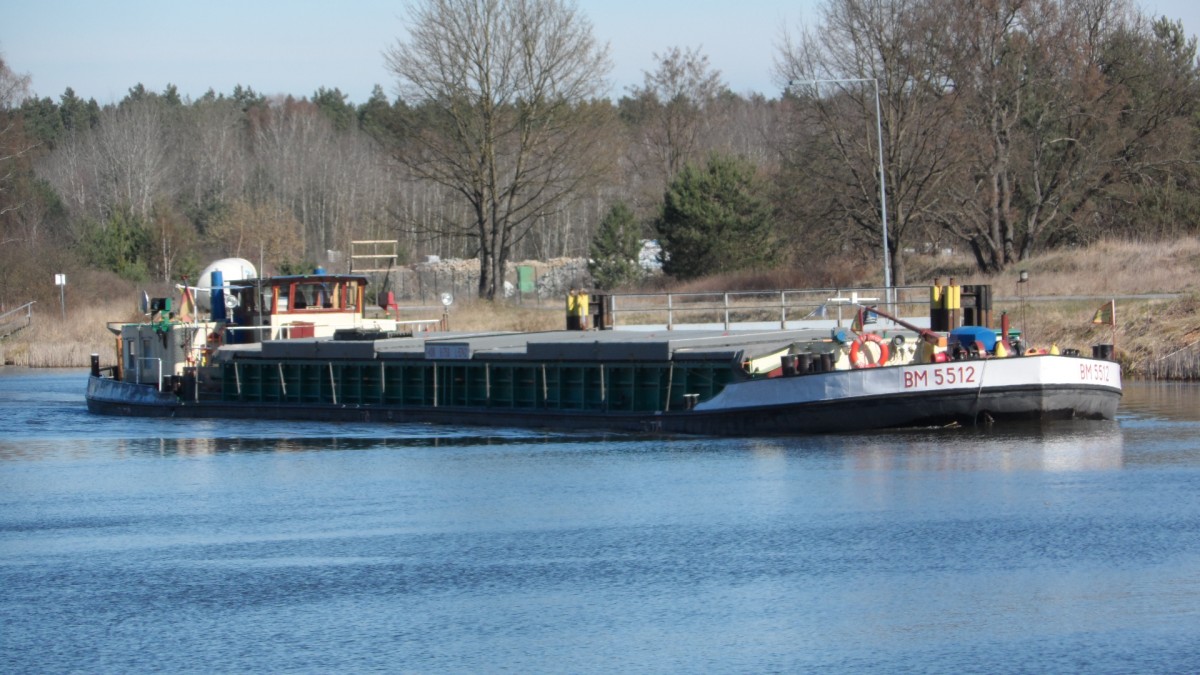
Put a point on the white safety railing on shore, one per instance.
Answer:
(766, 309)
(12, 321)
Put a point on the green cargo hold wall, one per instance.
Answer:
(518, 385)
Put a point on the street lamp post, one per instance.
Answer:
(1022, 279)
(887, 265)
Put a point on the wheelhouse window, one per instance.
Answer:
(282, 293)
(317, 295)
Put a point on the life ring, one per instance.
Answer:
(858, 356)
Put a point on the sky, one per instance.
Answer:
(102, 49)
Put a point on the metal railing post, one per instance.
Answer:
(759, 307)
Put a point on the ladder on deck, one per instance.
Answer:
(377, 257)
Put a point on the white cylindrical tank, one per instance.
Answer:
(232, 270)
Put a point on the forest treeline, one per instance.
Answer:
(1008, 127)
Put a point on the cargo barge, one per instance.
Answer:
(712, 382)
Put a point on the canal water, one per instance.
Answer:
(234, 546)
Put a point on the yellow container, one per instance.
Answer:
(953, 297)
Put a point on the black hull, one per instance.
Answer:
(1031, 403)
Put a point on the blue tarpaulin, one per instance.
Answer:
(969, 335)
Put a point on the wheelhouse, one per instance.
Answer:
(314, 294)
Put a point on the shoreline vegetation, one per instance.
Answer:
(1155, 286)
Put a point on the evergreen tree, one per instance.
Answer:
(42, 121)
(715, 220)
(247, 98)
(375, 116)
(77, 114)
(615, 249)
(171, 96)
(137, 93)
(121, 244)
(332, 103)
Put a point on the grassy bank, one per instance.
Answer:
(50, 342)
(1156, 337)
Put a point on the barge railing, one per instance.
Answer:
(138, 374)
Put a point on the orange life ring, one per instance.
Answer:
(858, 356)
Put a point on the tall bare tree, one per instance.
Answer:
(265, 231)
(677, 103)
(328, 178)
(503, 86)
(133, 157)
(1066, 105)
(834, 71)
(212, 155)
(985, 53)
(13, 89)
(289, 138)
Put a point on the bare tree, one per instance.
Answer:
(294, 148)
(73, 171)
(986, 56)
(132, 156)
(266, 231)
(1066, 105)
(213, 153)
(503, 86)
(863, 44)
(677, 104)
(172, 237)
(13, 89)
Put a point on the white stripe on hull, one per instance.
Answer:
(939, 378)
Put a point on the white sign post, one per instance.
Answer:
(60, 280)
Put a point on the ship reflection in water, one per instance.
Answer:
(1053, 447)
(1058, 446)
(396, 437)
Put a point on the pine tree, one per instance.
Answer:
(715, 220)
(615, 249)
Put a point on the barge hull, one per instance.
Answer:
(1028, 403)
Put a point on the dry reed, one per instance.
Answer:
(51, 342)
(1110, 267)
(482, 316)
